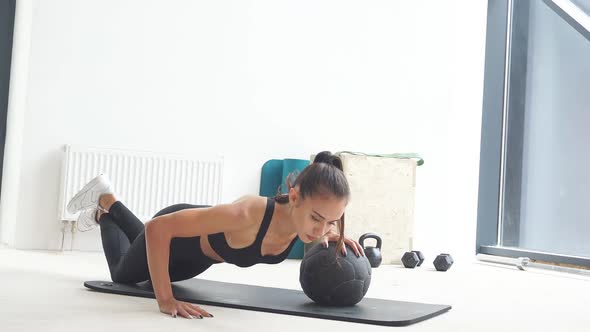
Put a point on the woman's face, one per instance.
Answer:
(315, 215)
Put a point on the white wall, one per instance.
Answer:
(255, 80)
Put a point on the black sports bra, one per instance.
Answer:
(251, 254)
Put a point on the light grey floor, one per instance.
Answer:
(42, 290)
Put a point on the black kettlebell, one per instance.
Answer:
(373, 254)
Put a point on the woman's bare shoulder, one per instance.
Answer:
(253, 205)
(251, 199)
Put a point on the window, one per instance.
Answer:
(534, 195)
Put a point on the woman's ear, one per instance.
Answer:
(293, 196)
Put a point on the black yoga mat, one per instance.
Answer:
(281, 301)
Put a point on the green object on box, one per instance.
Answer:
(419, 160)
(272, 179)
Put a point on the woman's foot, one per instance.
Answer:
(89, 218)
(88, 197)
(94, 199)
(106, 201)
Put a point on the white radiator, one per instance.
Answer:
(145, 182)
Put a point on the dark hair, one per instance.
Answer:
(324, 176)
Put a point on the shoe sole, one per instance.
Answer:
(75, 200)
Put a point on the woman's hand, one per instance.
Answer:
(356, 247)
(184, 309)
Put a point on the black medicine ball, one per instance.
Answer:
(334, 280)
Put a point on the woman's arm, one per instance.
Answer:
(186, 223)
(158, 253)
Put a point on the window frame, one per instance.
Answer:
(504, 89)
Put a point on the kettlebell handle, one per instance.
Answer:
(370, 236)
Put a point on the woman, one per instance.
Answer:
(183, 240)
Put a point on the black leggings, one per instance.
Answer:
(123, 241)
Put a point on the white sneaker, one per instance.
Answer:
(87, 220)
(88, 196)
